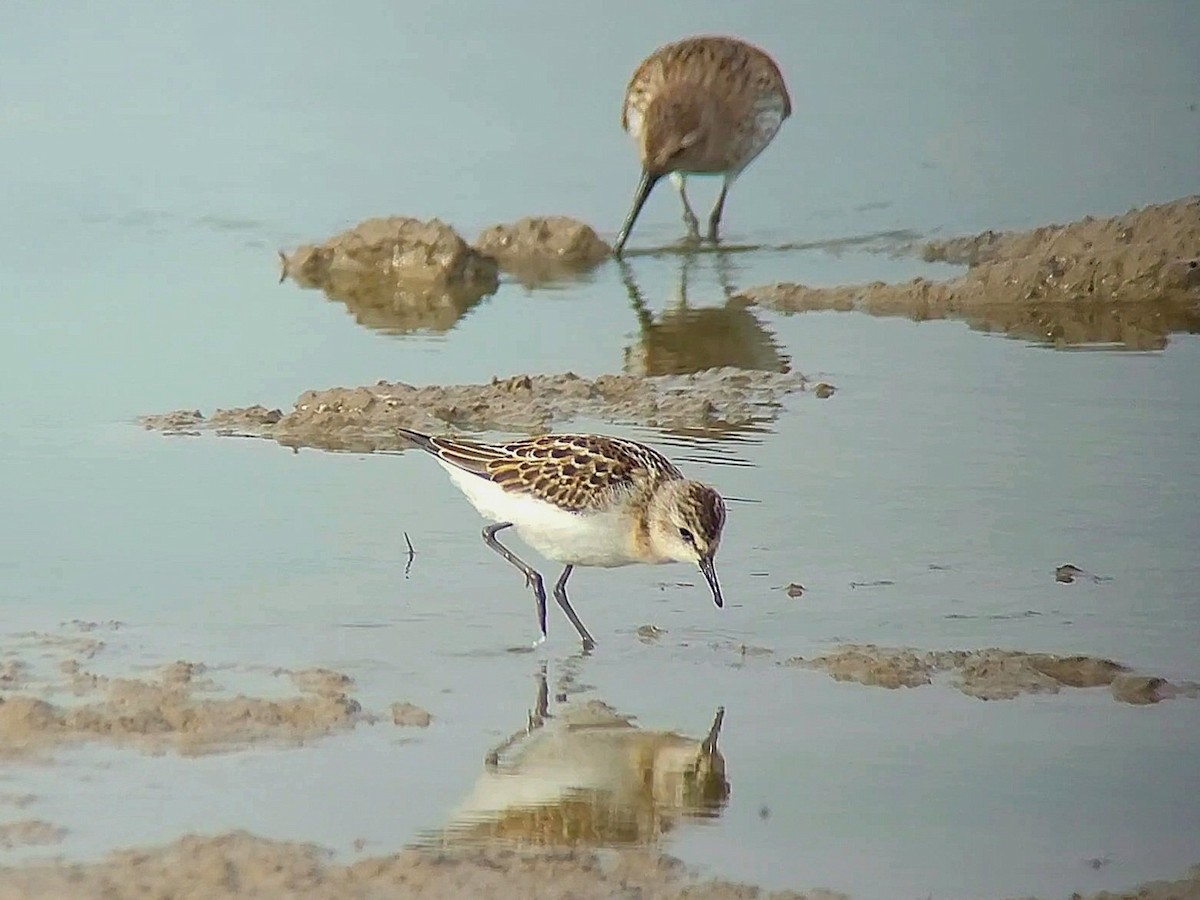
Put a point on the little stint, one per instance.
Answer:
(584, 500)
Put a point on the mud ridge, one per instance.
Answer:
(993, 674)
(1128, 280)
(540, 250)
(239, 864)
(363, 419)
(178, 708)
(396, 274)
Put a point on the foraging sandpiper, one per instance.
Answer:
(584, 500)
(701, 106)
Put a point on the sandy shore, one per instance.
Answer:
(1129, 280)
(238, 865)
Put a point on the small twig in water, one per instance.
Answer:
(411, 555)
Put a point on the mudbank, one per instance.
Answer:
(544, 249)
(992, 674)
(363, 419)
(180, 708)
(396, 274)
(1128, 280)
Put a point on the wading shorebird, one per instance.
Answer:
(702, 106)
(584, 500)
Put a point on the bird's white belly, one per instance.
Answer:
(580, 539)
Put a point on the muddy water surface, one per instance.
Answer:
(926, 504)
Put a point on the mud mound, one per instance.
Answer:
(397, 274)
(544, 249)
(238, 865)
(165, 714)
(363, 419)
(1129, 280)
(177, 708)
(29, 833)
(993, 674)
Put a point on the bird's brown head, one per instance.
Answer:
(675, 134)
(685, 521)
(681, 131)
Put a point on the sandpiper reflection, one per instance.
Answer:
(686, 339)
(587, 776)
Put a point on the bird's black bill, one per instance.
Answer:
(710, 575)
(645, 186)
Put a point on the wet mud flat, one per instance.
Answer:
(1128, 280)
(993, 674)
(51, 697)
(238, 864)
(498, 842)
(399, 274)
(363, 419)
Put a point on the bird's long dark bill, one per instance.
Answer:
(710, 575)
(645, 186)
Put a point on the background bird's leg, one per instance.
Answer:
(687, 262)
(532, 577)
(560, 594)
(723, 265)
(689, 217)
(714, 218)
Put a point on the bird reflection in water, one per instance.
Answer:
(686, 339)
(588, 777)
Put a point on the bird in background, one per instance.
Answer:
(584, 500)
(701, 106)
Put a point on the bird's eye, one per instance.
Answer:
(687, 535)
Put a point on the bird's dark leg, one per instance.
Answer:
(714, 218)
(689, 216)
(560, 594)
(532, 578)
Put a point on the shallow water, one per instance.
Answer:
(152, 170)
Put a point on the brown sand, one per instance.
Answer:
(544, 249)
(409, 715)
(238, 865)
(363, 419)
(29, 833)
(397, 274)
(177, 709)
(993, 674)
(1129, 280)
(400, 274)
